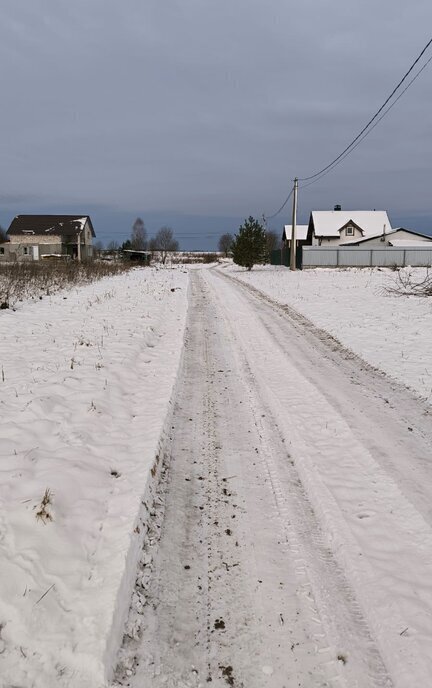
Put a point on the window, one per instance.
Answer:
(26, 250)
(1, 251)
(349, 231)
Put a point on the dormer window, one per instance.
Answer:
(349, 231)
(28, 231)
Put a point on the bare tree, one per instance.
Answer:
(164, 242)
(272, 243)
(139, 235)
(407, 283)
(98, 247)
(224, 244)
(113, 245)
(152, 246)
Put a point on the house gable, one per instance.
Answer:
(350, 230)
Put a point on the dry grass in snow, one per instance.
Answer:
(85, 385)
(34, 280)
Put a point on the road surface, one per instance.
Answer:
(291, 540)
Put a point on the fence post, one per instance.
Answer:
(371, 258)
(337, 257)
(404, 258)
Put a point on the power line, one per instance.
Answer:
(270, 217)
(177, 235)
(347, 149)
(335, 164)
(366, 129)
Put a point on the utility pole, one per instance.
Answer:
(293, 252)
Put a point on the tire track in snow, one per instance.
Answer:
(357, 476)
(255, 605)
(322, 582)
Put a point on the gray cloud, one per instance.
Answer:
(210, 108)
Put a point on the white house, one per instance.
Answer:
(301, 235)
(335, 227)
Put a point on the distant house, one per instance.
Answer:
(32, 237)
(281, 255)
(336, 227)
(301, 235)
(399, 237)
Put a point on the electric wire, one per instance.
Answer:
(317, 174)
(365, 131)
(270, 217)
(335, 164)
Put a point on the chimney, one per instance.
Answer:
(337, 207)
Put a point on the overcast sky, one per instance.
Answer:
(178, 108)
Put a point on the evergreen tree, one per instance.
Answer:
(249, 246)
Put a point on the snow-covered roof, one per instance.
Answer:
(301, 232)
(410, 242)
(328, 223)
(416, 237)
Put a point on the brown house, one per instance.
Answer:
(32, 237)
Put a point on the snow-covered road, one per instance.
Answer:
(291, 540)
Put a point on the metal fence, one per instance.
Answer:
(340, 256)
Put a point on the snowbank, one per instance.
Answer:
(391, 333)
(85, 384)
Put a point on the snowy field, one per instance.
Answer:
(391, 333)
(86, 378)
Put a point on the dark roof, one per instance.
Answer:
(63, 225)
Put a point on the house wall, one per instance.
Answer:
(87, 235)
(11, 252)
(33, 239)
(4, 252)
(326, 241)
(399, 234)
(350, 237)
(15, 250)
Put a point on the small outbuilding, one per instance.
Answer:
(301, 235)
(137, 256)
